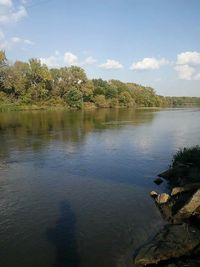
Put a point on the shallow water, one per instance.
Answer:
(74, 186)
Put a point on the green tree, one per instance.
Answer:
(39, 80)
(3, 66)
(125, 99)
(74, 98)
(16, 78)
(3, 59)
(100, 86)
(87, 89)
(66, 78)
(100, 101)
(111, 92)
(119, 86)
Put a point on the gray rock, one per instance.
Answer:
(172, 242)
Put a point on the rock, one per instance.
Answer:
(188, 187)
(177, 190)
(191, 208)
(170, 210)
(166, 174)
(153, 194)
(158, 181)
(185, 262)
(166, 211)
(172, 242)
(162, 198)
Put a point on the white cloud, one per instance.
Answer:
(190, 58)
(18, 40)
(57, 53)
(2, 36)
(6, 3)
(188, 65)
(53, 61)
(10, 14)
(149, 63)
(185, 72)
(197, 76)
(50, 61)
(26, 41)
(90, 61)
(70, 59)
(111, 64)
(12, 42)
(3, 42)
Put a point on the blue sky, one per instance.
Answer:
(150, 42)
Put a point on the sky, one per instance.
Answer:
(150, 42)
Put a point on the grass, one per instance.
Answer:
(36, 106)
(187, 156)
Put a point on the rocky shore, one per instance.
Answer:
(178, 243)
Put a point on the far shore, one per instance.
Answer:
(20, 107)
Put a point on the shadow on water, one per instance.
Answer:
(63, 238)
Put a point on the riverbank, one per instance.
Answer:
(52, 106)
(16, 107)
(178, 243)
(42, 105)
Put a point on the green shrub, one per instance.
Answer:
(100, 101)
(187, 155)
(114, 103)
(125, 99)
(74, 98)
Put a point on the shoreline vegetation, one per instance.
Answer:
(32, 85)
(178, 243)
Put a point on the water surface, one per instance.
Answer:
(74, 186)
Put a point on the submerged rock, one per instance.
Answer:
(172, 242)
(166, 174)
(181, 175)
(158, 181)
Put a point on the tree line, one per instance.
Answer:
(29, 83)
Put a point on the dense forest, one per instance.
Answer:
(26, 84)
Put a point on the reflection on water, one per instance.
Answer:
(70, 127)
(74, 185)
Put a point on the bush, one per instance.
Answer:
(3, 97)
(100, 101)
(125, 99)
(114, 103)
(74, 98)
(187, 155)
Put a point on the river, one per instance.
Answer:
(74, 185)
